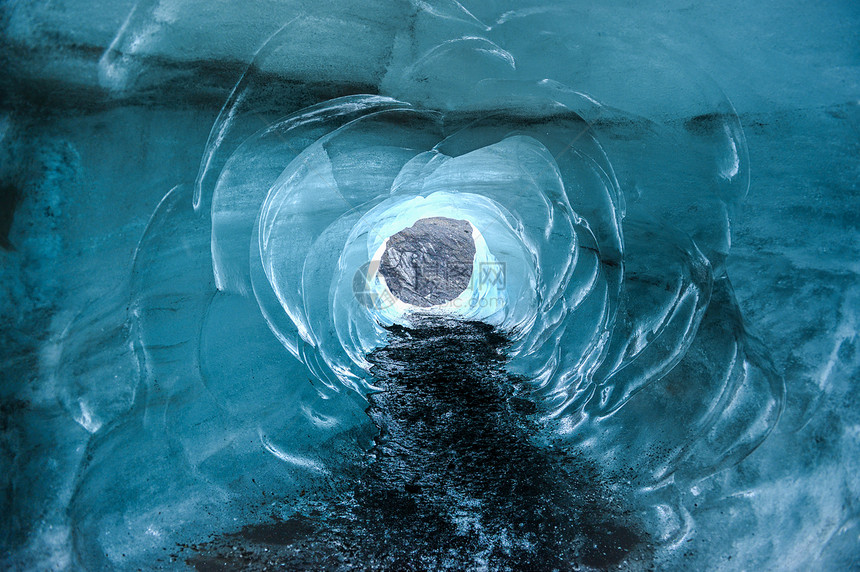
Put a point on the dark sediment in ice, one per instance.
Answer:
(458, 478)
(10, 196)
(430, 262)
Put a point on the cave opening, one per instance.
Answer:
(429, 263)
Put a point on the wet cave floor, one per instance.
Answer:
(457, 479)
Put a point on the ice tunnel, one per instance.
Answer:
(429, 285)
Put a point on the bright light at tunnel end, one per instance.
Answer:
(484, 296)
(373, 291)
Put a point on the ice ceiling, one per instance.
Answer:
(662, 204)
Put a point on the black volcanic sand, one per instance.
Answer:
(455, 481)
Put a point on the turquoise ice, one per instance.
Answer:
(190, 190)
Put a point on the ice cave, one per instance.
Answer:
(429, 285)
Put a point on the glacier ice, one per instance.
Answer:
(203, 365)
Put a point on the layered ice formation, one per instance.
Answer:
(440, 286)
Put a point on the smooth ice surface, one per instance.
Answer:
(664, 205)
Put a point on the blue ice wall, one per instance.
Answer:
(678, 195)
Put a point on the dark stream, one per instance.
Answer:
(459, 478)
